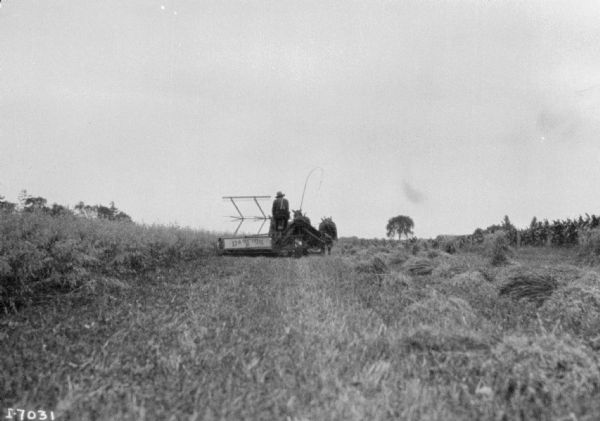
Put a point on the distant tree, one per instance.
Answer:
(116, 214)
(545, 232)
(478, 236)
(492, 229)
(122, 216)
(35, 203)
(101, 212)
(86, 211)
(534, 222)
(57, 209)
(400, 225)
(506, 224)
(23, 196)
(510, 229)
(104, 212)
(6, 206)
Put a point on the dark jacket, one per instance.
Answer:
(281, 208)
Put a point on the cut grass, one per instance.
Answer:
(543, 376)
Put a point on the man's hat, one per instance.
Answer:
(279, 194)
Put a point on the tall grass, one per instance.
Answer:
(41, 253)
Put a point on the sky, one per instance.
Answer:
(454, 113)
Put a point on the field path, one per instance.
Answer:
(305, 355)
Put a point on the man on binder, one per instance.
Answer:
(280, 211)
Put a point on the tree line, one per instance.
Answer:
(559, 232)
(29, 203)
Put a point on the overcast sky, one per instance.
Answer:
(452, 112)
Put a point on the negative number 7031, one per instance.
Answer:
(24, 414)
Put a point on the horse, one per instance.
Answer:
(328, 230)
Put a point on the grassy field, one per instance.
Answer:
(371, 332)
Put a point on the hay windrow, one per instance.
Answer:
(442, 323)
(398, 258)
(440, 311)
(575, 306)
(472, 281)
(418, 266)
(474, 288)
(588, 279)
(432, 254)
(430, 338)
(541, 375)
(528, 284)
(450, 265)
(375, 265)
(563, 274)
